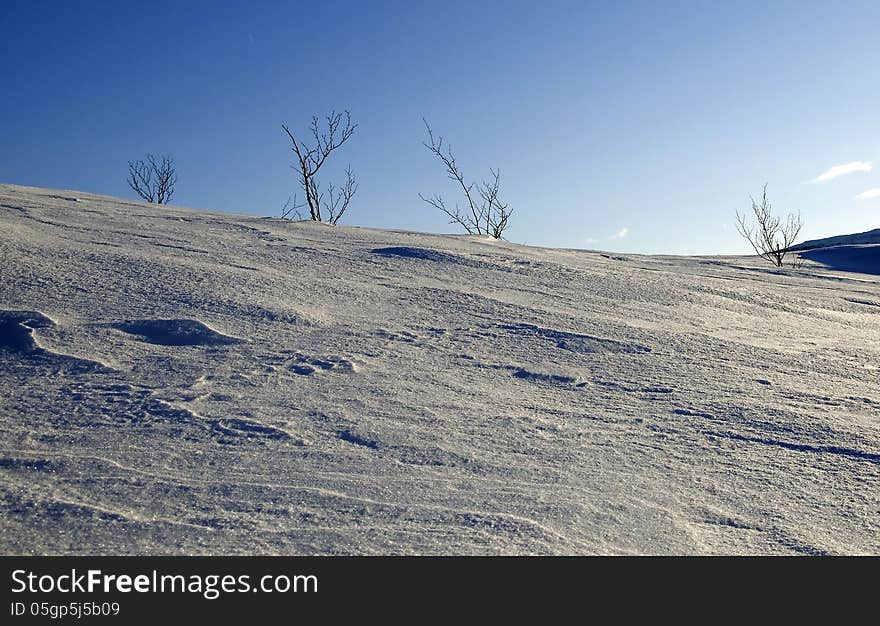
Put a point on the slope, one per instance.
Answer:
(179, 381)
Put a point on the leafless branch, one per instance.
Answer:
(140, 180)
(291, 208)
(339, 199)
(455, 216)
(769, 236)
(310, 158)
(497, 212)
(487, 217)
(154, 179)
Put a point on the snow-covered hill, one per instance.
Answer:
(855, 239)
(859, 252)
(176, 381)
(864, 259)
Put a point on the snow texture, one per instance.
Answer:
(185, 382)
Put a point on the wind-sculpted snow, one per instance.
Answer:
(306, 366)
(423, 254)
(17, 338)
(174, 332)
(17, 327)
(184, 382)
(541, 377)
(573, 341)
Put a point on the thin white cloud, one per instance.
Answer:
(620, 234)
(871, 193)
(842, 170)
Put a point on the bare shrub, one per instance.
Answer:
(485, 213)
(309, 160)
(154, 179)
(290, 210)
(769, 236)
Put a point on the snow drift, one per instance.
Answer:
(176, 381)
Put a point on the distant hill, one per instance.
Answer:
(858, 252)
(861, 258)
(867, 237)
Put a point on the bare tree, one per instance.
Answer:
(291, 208)
(154, 179)
(485, 213)
(770, 237)
(310, 158)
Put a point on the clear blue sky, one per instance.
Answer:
(631, 126)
